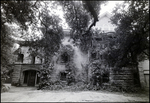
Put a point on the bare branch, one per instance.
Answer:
(93, 13)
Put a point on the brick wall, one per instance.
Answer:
(16, 74)
(18, 71)
(122, 77)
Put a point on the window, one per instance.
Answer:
(63, 75)
(20, 58)
(41, 60)
(32, 59)
(101, 57)
(98, 39)
(105, 77)
(64, 58)
(93, 55)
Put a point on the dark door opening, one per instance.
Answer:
(29, 77)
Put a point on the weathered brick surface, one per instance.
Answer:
(122, 77)
(19, 69)
(16, 74)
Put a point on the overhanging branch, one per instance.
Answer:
(93, 13)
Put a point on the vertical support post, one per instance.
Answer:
(35, 77)
(141, 76)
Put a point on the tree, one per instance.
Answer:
(78, 15)
(94, 8)
(19, 12)
(27, 13)
(49, 43)
(132, 34)
(77, 18)
(51, 32)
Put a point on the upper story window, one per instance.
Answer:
(20, 57)
(64, 58)
(32, 59)
(41, 60)
(98, 39)
(94, 55)
(101, 57)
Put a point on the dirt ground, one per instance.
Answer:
(31, 94)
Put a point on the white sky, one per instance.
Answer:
(109, 6)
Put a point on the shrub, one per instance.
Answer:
(97, 71)
(130, 89)
(45, 76)
(4, 88)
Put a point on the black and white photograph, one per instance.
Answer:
(74, 51)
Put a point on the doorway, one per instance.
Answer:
(30, 77)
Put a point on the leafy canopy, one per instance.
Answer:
(132, 33)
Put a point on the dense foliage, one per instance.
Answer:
(81, 16)
(19, 12)
(132, 34)
(130, 45)
(51, 32)
(45, 76)
(78, 19)
(49, 43)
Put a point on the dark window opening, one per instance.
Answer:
(63, 76)
(33, 60)
(105, 78)
(41, 60)
(101, 57)
(98, 39)
(93, 55)
(20, 58)
(64, 58)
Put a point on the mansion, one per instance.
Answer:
(27, 66)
